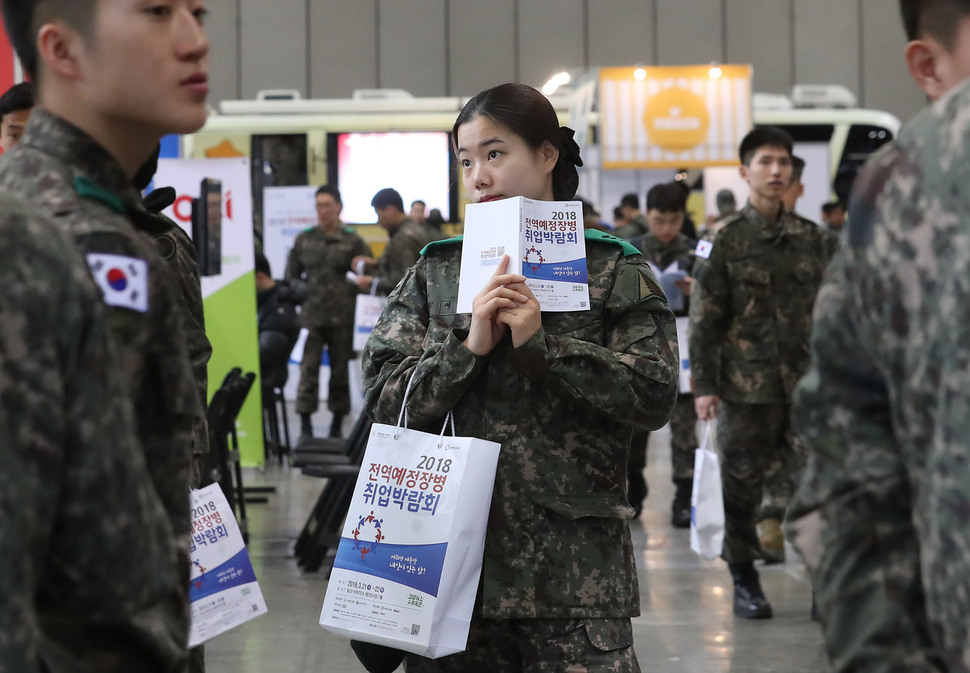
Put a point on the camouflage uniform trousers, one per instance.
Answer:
(339, 342)
(683, 443)
(539, 646)
(751, 439)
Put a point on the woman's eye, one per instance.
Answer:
(200, 15)
(494, 154)
(465, 163)
(158, 10)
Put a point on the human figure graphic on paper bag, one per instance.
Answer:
(378, 535)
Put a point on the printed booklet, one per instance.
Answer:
(544, 241)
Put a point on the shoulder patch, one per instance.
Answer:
(123, 280)
(437, 244)
(703, 249)
(597, 235)
(87, 189)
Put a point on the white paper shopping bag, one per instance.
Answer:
(224, 591)
(410, 554)
(707, 500)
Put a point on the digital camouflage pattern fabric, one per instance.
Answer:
(178, 252)
(403, 249)
(65, 174)
(540, 646)
(880, 514)
(558, 540)
(322, 261)
(751, 307)
(91, 578)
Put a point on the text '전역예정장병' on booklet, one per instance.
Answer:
(544, 241)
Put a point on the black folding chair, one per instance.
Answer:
(321, 532)
(225, 466)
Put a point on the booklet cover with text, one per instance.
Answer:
(544, 241)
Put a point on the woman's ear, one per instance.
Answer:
(922, 60)
(57, 49)
(550, 155)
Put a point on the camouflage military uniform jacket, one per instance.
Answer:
(680, 250)
(322, 261)
(66, 174)
(90, 578)
(403, 249)
(751, 308)
(562, 406)
(881, 511)
(178, 252)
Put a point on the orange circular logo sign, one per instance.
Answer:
(676, 119)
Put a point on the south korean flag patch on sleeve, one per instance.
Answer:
(703, 249)
(123, 280)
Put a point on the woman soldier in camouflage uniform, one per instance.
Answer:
(561, 393)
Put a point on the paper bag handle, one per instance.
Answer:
(708, 435)
(403, 416)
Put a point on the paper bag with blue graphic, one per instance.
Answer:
(224, 591)
(410, 554)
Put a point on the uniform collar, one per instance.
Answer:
(89, 162)
(768, 229)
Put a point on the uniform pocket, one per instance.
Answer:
(574, 507)
(607, 635)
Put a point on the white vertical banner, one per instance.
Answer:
(230, 297)
(287, 212)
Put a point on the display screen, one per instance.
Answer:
(417, 164)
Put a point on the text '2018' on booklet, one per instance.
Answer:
(544, 241)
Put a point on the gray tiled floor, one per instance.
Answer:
(686, 625)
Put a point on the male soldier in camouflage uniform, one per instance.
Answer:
(880, 514)
(777, 471)
(663, 246)
(91, 579)
(321, 257)
(98, 124)
(635, 224)
(750, 318)
(406, 239)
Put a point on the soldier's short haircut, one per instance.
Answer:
(261, 264)
(667, 197)
(832, 206)
(23, 19)
(387, 197)
(938, 19)
(797, 167)
(18, 97)
(763, 136)
(631, 200)
(332, 191)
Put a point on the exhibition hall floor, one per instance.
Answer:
(686, 625)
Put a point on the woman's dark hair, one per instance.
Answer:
(529, 114)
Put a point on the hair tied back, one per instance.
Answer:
(570, 147)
